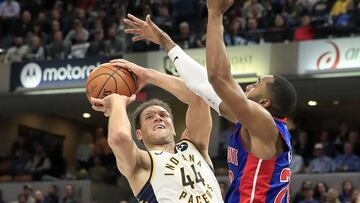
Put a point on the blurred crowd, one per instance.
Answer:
(29, 195)
(36, 161)
(40, 30)
(320, 193)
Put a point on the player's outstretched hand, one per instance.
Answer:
(105, 105)
(136, 69)
(143, 29)
(218, 6)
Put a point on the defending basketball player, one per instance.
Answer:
(259, 151)
(168, 172)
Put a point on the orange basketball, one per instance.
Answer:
(107, 79)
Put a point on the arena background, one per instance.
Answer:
(43, 104)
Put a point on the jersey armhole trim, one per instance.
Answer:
(152, 167)
(150, 176)
(188, 140)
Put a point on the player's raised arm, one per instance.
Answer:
(193, 74)
(131, 161)
(198, 118)
(247, 112)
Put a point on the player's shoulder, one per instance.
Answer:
(185, 145)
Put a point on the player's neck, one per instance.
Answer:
(170, 148)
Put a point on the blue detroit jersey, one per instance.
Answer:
(257, 180)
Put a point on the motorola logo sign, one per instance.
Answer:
(31, 75)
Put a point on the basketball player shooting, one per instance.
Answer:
(167, 172)
(259, 151)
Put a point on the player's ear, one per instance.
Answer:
(265, 103)
(139, 134)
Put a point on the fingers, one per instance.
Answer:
(96, 101)
(131, 23)
(138, 38)
(119, 61)
(149, 21)
(131, 99)
(135, 19)
(133, 31)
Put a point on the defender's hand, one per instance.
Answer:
(143, 29)
(139, 71)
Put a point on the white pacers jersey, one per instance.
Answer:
(181, 177)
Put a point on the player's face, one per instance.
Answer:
(156, 126)
(258, 90)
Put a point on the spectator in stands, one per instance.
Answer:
(253, 9)
(9, 12)
(43, 22)
(76, 32)
(21, 162)
(9, 9)
(57, 49)
(21, 199)
(19, 145)
(309, 197)
(40, 163)
(101, 141)
(303, 146)
(18, 52)
(97, 47)
(97, 172)
(321, 163)
(332, 196)
(55, 27)
(185, 38)
(305, 31)
(348, 161)
(232, 37)
(114, 44)
(53, 194)
(354, 139)
(300, 195)
(297, 163)
(164, 20)
(39, 197)
(85, 151)
(320, 192)
(36, 31)
(70, 195)
(37, 50)
(291, 11)
(328, 145)
(79, 47)
(24, 25)
(278, 31)
(340, 7)
(342, 136)
(28, 193)
(253, 34)
(347, 190)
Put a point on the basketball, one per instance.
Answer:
(107, 79)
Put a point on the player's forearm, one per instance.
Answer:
(166, 42)
(119, 125)
(171, 84)
(218, 65)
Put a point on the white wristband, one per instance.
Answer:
(194, 76)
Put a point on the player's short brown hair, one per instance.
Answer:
(146, 104)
